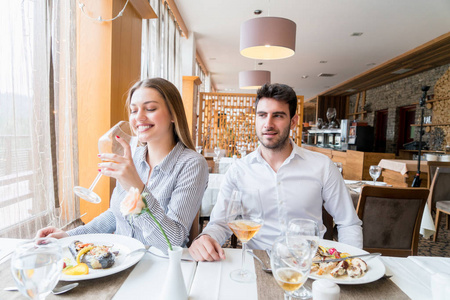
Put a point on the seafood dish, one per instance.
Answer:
(95, 256)
(353, 268)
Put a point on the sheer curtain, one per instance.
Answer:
(37, 86)
(161, 55)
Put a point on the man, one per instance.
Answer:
(293, 182)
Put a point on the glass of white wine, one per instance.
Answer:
(291, 264)
(245, 218)
(375, 172)
(300, 230)
(106, 144)
(36, 266)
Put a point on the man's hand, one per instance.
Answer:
(205, 248)
(51, 232)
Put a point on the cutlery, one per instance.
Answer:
(152, 253)
(161, 256)
(263, 266)
(56, 291)
(369, 255)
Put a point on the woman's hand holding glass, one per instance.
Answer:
(121, 167)
(291, 264)
(108, 143)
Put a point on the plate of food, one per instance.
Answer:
(350, 271)
(90, 256)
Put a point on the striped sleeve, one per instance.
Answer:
(185, 201)
(104, 223)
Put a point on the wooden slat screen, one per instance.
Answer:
(228, 121)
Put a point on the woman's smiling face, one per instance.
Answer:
(150, 117)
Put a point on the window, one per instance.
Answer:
(36, 84)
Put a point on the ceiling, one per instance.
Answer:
(323, 43)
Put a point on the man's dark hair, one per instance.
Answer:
(280, 92)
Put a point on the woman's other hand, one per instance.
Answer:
(121, 167)
(52, 232)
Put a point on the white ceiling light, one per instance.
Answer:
(268, 38)
(253, 79)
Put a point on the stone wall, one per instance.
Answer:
(397, 94)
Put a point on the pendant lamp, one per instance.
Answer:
(253, 79)
(268, 38)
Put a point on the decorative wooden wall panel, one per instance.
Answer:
(228, 121)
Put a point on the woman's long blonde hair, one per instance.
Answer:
(173, 101)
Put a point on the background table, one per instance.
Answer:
(400, 173)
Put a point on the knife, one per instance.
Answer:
(370, 255)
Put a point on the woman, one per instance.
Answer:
(165, 168)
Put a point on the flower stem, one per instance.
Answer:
(160, 228)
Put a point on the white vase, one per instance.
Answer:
(174, 286)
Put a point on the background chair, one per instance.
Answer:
(196, 229)
(391, 219)
(432, 165)
(439, 197)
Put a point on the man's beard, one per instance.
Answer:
(280, 144)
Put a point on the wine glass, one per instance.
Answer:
(217, 152)
(331, 115)
(106, 144)
(375, 172)
(339, 166)
(245, 217)
(300, 230)
(36, 266)
(199, 149)
(291, 264)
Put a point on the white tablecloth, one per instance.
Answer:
(211, 193)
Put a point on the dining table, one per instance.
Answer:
(407, 278)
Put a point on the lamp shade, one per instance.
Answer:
(253, 79)
(268, 38)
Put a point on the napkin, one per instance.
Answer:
(212, 279)
(432, 265)
(409, 277)
(427, 228)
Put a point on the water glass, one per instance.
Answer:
(290, 264)
(36, 266)
(375, 172)
(339, 166)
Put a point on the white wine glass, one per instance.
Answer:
(300, 230)
(245, 217)
(36, 266)
(106, 144)
(375, 172)
(291, 264)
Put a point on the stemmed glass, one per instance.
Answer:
(217, 152)
(301, 230)
(106, 144)
(331, 115)
(245, 217)
(199, 149)
(291, 264)
(375, 172)
(36, 266)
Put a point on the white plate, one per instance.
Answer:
(375, 271)
(123, 244)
